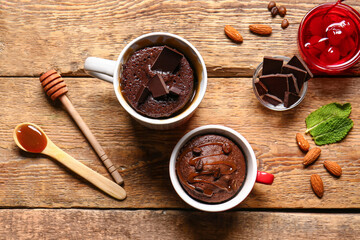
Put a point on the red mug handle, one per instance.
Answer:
(264, 177)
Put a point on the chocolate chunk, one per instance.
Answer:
(196, 151)
(297, 61)
(157, 86)
(271, 65)
(260, 87)
(298, 73)
(199, 165)
(272, 99)
(290, 99)
(293, 86)
(226, 147)
(142, 94)
(167, 61)
(175, 91)
(276, 84)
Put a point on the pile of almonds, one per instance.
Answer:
(311, 156)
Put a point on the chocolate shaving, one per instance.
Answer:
(167, 61)
(157, 86)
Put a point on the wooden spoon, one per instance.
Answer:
(31, 138)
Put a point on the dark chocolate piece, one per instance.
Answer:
(276, 84)
(272, 99)
(142, 94)
(271, 65)
(293, 86)
(167, 61)
(298, 73)
(261, 88)
(157, 86)
(175, 91)
(297, 61)
(290, 99)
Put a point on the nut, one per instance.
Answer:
(271, 5)
(317, 185)
(302, 142)
(196, 151)
(199, 165)
(311, 156)
(226, 147)
(333, 168)
(282, 11)
(285, 23)
(233, 34)
(274, 11)
(260, 29)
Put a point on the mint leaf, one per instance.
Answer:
(329, 123)
(326, 113)
(332, 130)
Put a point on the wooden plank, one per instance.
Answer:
(147, 224)
(40, 35)
(142, 155)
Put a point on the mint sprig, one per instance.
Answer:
(329, 123)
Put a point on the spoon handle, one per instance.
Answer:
(95, 178)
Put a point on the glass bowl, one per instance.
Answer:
(280, 107)
(341, 12)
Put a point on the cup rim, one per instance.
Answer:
(268, 105)
(167, 121)
(334, 68)
(250, 173)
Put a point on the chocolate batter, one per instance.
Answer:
(211, 168)
(136, 74)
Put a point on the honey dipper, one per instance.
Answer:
(56, 88)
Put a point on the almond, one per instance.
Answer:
(317, 185)
(302, 142)
(233, 34)
(311, 156)
(260, 29)
(333, 168)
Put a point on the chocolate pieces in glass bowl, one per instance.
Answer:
(281, 84)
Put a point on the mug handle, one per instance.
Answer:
(264, 177)
(100, 68)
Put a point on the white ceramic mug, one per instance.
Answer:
(252, 174)
(111, 71)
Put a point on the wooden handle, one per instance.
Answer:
(95, 178)
(91, 138)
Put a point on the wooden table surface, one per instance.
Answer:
(40, 199)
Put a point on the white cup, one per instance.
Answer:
(252, 174)
(111, 71)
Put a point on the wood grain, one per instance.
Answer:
(145, 224)
(142, 155)
(41, 35)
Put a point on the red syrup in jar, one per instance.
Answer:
(329, 37)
